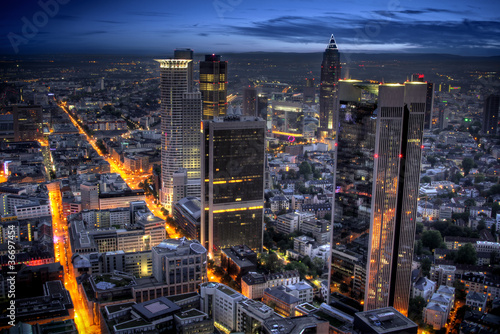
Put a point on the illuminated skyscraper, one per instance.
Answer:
(429, 100)
(377, 182)
(491, 111)
(328, 98)
(213, 86)
(250, 101)
(232, 194)
(180, 126)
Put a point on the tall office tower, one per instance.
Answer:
(90, 196)
(23, 122)
(377, 181)
(262, 101)
(490, 114)
(309, 92)
(250, 101)
(180, 120)
(213, 86)
(429, 100)
(232, 193)
(328, 98)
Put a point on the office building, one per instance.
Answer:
(22, 123)
(90, 196)
(309, 92)
(385, 320)
(377, 181)
(220, 303)
(490, 114)
(233, 188)
(187, 214)
(180, 263)
(181, 109)
(429, 100)
(328, 99)
(250, 101)
(213, 86)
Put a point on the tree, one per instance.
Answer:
(470, 202)
(431, 239)
(481, 225)
(305, 168)
(415, 308)
(420, 228)
(456, 178)
(344, 288)
(466, 254)
(426, 266)
(467, 165)
(425, 179)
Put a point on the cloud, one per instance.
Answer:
(151, 14)
(110, 21)
(446, 35)
(203, 34)
(95, 32)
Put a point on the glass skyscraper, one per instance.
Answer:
(180, 124)
(380, 131)
(328, 103)
(233, 188)
(213, 86)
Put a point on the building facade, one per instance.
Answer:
(213, 86)
(233, 188)
(377, 181)
(330, 75)
(180, 118)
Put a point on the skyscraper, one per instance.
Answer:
(491, 110)
(429, 100)
(377, 181)
(309, 92)
(180, 120)
(328, 99)
(213, 86)
(250, 101)
(232, 194)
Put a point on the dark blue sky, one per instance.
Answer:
(157, 27)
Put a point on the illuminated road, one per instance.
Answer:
(62, 250)
(132, 180)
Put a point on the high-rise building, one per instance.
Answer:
(21, 123)
(309, 92)
(328, 99)
(376, 184)
(232, 193)
(180, 263)
(90, 196)
(250, 101)
(213, 86)
(491, 111)
(429, 100)
(181, 109)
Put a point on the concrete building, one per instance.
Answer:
(180, 263)
(424, 288)
(385, 320)
(254, 284)
(221, 304)
(282, 302)
(476, 301)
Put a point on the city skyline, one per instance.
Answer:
(238, 26)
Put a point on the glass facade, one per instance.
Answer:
(376, 185)
(233, 187)
(330, 74)
(213, 86)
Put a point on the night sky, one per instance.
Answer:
(157, 27)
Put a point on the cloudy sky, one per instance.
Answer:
(156, 27)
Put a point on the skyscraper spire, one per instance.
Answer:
(332, 44)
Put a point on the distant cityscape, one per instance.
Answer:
(250, 193)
